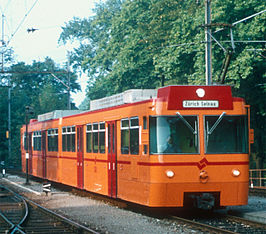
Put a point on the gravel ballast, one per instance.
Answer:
(95, 214)
(104, 217)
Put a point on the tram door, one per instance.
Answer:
(30, 152)
(112, 160)
(43, 146)
(80, 172)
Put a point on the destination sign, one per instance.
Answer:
(200, 104)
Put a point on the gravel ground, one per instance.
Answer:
(95, 214)
(106, 218)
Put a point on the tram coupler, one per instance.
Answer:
(204, 201)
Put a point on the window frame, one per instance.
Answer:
(101, 145)
(95, 134)
(197, 141)
(97, 140)
(52, 140)
(89, 131)
(37, 140)
(69, 138)
(130, 128)
(205, 134)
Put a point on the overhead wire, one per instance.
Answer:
(21, 22)
(6, 6)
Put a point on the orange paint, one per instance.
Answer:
(142, 178)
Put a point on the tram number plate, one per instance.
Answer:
(200, 104)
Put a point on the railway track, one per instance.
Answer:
(216, 223)
(258, 191)
(20, 215)
(209, 222)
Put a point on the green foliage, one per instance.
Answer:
(151, 43)
(31, 86)
(3, 126)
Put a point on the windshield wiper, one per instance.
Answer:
(194, 131)
(216, 123)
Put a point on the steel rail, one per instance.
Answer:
(246, 221)
(203, 226)
(61, 218)
(27, 203)
(229, 223)
(15, 227)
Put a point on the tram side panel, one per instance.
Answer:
(67, 155)
(89, 170)
(133, 181)
(94, 155)
(53, 147)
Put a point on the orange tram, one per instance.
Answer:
(171, 147)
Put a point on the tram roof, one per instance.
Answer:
(129, 96)
(175, 96)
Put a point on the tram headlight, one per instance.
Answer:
(235, 172)
(169, 174)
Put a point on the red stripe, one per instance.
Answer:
(200, 164)
(64, 157)
(50, 156)
(123, 162)
(227, 163)
(105, 161)
(94, 160)
(168, 164)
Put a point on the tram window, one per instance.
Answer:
(73, 141)
(145, 126)
(124, 136)
(89, 138)
(130, 136)
(173, 134)
(95, 138)
(68, 139)
(37, 141)
(124, 123)
(145, 149)
(134, 135)
(102, 138)
(64, 140)
(226, 134)
(52, 139)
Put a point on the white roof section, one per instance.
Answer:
(57, 114)
(129, 96)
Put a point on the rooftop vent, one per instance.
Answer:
(57, 114)
(129, 96)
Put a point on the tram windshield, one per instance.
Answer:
(226, 134)
(173, 134)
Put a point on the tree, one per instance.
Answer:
(151, 43)
(7, 54)
(33, 86)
